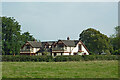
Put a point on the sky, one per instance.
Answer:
(58, 20)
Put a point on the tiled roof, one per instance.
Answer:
(35, 44)
(70, 43)
(49, 42)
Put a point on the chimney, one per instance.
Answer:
(68, 38)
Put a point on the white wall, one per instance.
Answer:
(83, 49)
(75, 50)
(35, 50)
(65, 53)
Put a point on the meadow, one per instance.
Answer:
(78, 69)
(0, 70)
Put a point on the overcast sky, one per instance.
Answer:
(58, 20)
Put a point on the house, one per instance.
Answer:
(60, 47)
(30, 48)
(69, 47)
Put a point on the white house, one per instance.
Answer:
(30, 48)
(69, 47)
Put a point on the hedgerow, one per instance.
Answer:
(26, 58)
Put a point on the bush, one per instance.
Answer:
(24, 58)
(68, 58)
(100, 57)
(116, 52)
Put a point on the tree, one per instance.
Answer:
(115, 40)
(0, 36)
(12, 39)
(10, 36)
(117, 31)
(95, 41)
(26, 37)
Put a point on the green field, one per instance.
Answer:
(81, 69)
(0, 70)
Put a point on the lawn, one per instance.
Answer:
(0, 70)
(81, 69)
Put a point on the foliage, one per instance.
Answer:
(95, 41)
(117, 31)
(68, 58)
(10, 36)
(99, 57)
(115, 41)
(24, 58)
(46, 53)
(26, 37)
(12, 39)
(116, 52)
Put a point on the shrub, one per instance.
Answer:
(24, 58)
(68, 58)
(45, 58)
(116, 52)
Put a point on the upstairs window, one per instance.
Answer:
(28, 47)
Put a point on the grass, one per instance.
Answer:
(81, 69)
(0, 70)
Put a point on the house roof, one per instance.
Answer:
(35, 44)
(49, 42)
(70, 43)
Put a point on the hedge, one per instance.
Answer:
(68, 58)
(100, 57)
(85, 58)
(26, 58)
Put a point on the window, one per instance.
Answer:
(80, 47)
(28, 47)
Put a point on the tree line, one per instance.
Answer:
(95, 41)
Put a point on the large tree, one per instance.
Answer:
(12, 39)
(95, 41)
(10, 36)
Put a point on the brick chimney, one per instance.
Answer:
(68, 38)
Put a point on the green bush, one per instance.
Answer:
(99, 57)
(24, 58)
(116, 52)
(68, 58)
